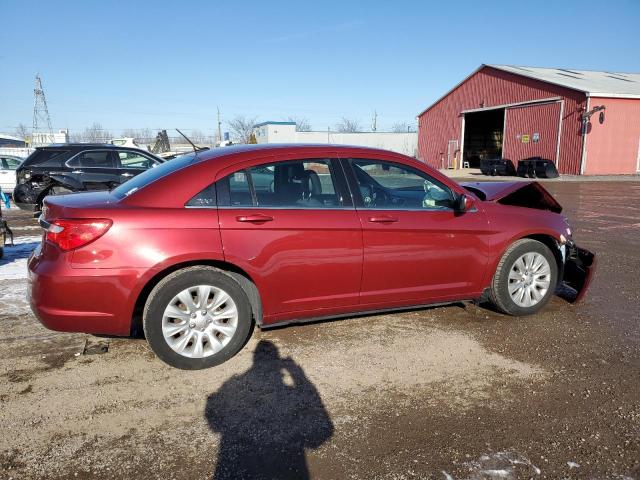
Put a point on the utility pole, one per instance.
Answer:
(374, 124)
(41, 118)
(219, 127)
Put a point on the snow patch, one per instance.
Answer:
(13, 276)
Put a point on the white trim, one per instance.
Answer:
(504, 133)
(517, 104)
(559, 134)
(462, 141)
(612, 95)
(583, 131)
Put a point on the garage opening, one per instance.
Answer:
(483, 135)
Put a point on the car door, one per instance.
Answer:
(417, 249)
(132, 163)
(95, 169)
(292, 226)
(8, 166)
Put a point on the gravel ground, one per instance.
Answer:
(450, 392)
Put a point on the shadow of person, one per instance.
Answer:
(267, 417)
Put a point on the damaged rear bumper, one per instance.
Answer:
(579, 268)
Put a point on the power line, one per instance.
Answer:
(41, 118)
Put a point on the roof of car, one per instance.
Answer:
(292, 147)
(82, 145)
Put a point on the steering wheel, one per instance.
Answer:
(374, 196)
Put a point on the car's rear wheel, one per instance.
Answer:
(525, 279)
(197, 317)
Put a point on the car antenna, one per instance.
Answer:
(195, 149)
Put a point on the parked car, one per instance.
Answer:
(76, 167)
(335, 231)
(8, 166)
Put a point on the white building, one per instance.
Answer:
(285, 132)
(40, 139)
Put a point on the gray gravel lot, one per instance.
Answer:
(449, 392)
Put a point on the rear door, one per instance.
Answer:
(291, 225)
(95, 169)
(417, 249)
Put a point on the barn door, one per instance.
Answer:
(452, 149)
(532, 131)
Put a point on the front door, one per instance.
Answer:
(95, 170)
(292, 227)
(417, 249)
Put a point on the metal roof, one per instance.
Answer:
(273, 123)
(593, 83)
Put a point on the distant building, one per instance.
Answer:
(11, 141)
(40, 139)
(586, 122)
(285, 132)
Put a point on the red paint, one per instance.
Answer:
(491, 87)
(613, 147)
(306, 263)
(541, 119)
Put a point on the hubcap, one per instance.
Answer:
(529, 279)
(199, 321)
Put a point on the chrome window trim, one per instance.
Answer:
(257, 207)
(66, 164)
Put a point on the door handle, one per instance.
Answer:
(127, 174)
(77, 171)
(383, 219)
(257, 218)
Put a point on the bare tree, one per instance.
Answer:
(93, 134)
(302, 123)
(197, 136)
(400, 127)
(22, 131)
(347, 125)
(241, 128)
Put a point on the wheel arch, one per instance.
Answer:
(238, 274)
(546, 238)
(550, 242)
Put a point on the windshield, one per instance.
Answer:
(149, 176)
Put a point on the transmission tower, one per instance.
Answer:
(41, 118)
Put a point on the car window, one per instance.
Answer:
(204, 199)
(45, 157)
(388, 185)
(10, 163)
(135, 160)
(291, 184)
(93, 159)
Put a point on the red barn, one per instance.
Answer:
(587, 122)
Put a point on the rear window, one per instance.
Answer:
(46, 157)
(149, 176)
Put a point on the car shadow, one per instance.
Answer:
(17, 252)
(267, 417)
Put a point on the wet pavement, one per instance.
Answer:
(449, 392)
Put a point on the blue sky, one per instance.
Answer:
(164, 64)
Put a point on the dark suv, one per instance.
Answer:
(76, 167)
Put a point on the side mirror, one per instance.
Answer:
(463, 203)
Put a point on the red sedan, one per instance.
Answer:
(201, 248)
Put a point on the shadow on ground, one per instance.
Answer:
(267, 417)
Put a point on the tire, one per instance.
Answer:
(201, 338)
(525, 269)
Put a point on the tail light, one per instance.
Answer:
(70, 234)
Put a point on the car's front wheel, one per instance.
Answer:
(197, 317)
(525, 279)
